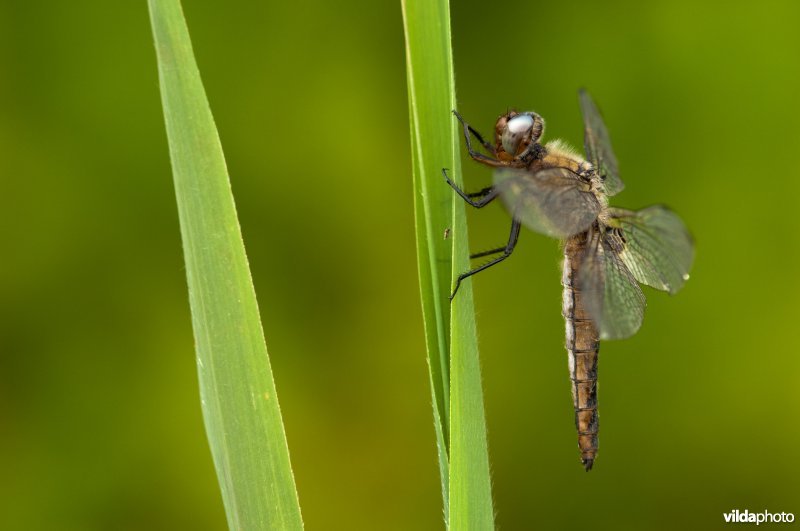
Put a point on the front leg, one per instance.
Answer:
(486, 145)
(476, 155)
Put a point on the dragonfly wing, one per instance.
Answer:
(659, 250)
(597, 144)
(611, 294)
(554, 201)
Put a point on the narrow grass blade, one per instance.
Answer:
(451, 338)
(240, 406)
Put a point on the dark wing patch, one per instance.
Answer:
(597, 144)
(611, 294)
(658, 250)
(554, 201)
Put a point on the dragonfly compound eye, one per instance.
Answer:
(517, 134)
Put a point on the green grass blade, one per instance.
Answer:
(450, 335)
(240, 406)
(470, 480)
(432, 139)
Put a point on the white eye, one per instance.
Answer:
(520, 123)
(517, 129)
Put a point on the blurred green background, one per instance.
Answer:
(100, 424)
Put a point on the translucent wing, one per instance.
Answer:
(598, 145)
(658, 249)
(611, 294)
(555, 201)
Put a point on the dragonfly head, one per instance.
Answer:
(516, 134)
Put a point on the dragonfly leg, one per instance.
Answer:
(468, 129)
(487, 195)
(476, 155)
(487, 253)
(507, 250)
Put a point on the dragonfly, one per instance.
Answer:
(553, 190)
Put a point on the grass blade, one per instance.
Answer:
(450, 335)
(240, 406)
(432, 209)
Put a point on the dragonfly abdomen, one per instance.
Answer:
(583, 346)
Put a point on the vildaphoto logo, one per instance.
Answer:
(746, 517)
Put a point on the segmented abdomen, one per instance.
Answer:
(582, 348)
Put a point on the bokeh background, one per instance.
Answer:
(100, 424)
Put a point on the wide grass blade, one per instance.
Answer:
(449, 330)
(240, 406)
